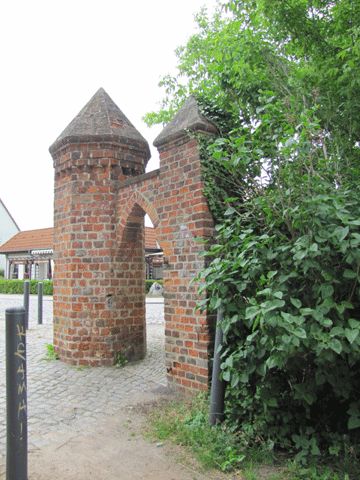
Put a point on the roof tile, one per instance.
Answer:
(43, 239)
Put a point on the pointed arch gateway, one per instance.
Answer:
(101, 196)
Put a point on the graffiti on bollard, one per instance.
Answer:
(16, 395)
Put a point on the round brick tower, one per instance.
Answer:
(98, 150)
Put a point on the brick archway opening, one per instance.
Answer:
(130, 275)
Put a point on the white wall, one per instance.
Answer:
(8, 228)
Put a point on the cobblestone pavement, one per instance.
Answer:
(66, 400)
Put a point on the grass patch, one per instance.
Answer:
(185, 423)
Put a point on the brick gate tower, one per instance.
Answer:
(101, 196)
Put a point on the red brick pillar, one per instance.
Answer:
(185, 221)
(99, 148)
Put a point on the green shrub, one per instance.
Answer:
(292, 327)
(281, 81)
(17, 286)
(1, 273)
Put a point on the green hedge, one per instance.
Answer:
(17, 286)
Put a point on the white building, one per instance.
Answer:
(29, 254)
(8, 228)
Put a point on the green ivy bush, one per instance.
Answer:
(281, 81)
(17, 286)
(286, 270)
(292, 324)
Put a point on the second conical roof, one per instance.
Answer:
(100, 119)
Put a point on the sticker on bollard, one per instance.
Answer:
(16, 395)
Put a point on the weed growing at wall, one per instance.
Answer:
(50, 352)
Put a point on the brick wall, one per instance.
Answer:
(99, 282)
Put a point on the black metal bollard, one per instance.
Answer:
(40, 302)
(217, 393)
(26, 302)
(16, 395)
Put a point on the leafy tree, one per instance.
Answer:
(281, 80)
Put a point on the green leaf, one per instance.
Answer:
(244, 377)
(341, 233)
(251, 312)
(351, 335)
(314, 448)
(354, 323)
(271, 274)
(230, 211)
(235, 378)
(355, 239)
(272, 402)
(353, 422)
(266, 291)
(296, 302)
(337, 331)
(226, 375)
(326, 290)
(350, 274)
(300, 255)
(336, 346)
(270, 305)
(299, 332)
(314, 247)
(326, 322)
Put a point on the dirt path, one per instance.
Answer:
(115, 449)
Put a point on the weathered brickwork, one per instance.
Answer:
(101, 197)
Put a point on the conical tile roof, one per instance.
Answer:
(187, 118)
(100, 120)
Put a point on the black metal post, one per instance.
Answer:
(40, 303)
(217, 393)
(26, 302)
(16, 395)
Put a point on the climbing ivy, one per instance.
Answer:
(281, 80)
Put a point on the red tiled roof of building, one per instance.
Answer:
(29, 240)
(43, 239)
(150, 239)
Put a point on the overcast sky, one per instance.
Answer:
(54, 56)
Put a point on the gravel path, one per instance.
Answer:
(63, 400)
